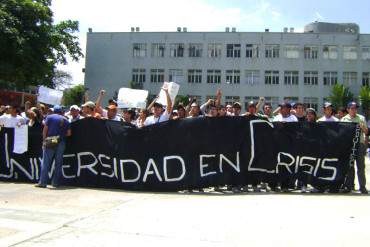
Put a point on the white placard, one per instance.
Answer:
(20, 139)
(132, 98)
(49, 96)
(173, 90)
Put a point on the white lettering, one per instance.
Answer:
(103, 156)
(235, 166)
(124, 180)
(149, 172)
(302, 164)
(183, 169)
(202, 166)
(332, 168)
(67, 166)
(280, 163)
(88, 166)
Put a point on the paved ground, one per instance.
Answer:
(90, 217)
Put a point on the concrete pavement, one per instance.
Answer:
(93, 217)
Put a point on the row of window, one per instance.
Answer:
(251, 77)
(312, 102)
(251, 51)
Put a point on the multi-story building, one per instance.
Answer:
(245, 65)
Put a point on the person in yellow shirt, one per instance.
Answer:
(354, 117)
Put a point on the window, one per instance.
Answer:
(138, 75)
(330, 78)
(197, 97)
(177, 50)
(230, 100)
(233, 50)
(310, 102)
(311, 78)
(273, 101)
(271, 77)
(214, 50)
(349, 78)
(252, 77)
(252, 51)
(272, 51)
(350, 52)
(194, 76)
(311, 52)
(291, 99)
(139, 50)
(291, 77)
(195, 50)
(157, 75)
(250, 98)
(292, 51)
(330, 52)
(233, 76)
(366, 79)
(365, 50)
(176, 75)
(213, 76)
(158, 50)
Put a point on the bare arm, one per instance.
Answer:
(149, 108)
(169, 101)
(45, 132)
(218, 97)
(260, 103)
(276, 111)
(98, 101)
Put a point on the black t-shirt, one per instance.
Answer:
(301, 119)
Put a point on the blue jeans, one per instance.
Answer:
(49, 154)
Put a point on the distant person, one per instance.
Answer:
(284, 115)
(299, 112)
(354, 117)
(328, 114)
(311, 115)
(12, 119)
(160, 114)
(55, 131)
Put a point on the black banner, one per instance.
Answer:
(190, 153)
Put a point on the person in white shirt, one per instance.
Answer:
(12, 120)
(159, 114)
(74, 114)
(328, 114)
(285, 115)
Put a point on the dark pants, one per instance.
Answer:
(360, 164)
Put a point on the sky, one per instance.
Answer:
(202, 15)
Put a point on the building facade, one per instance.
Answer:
(245, 65)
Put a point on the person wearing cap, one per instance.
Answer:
(237, 108)
(129, 116)
(311, 115)
(88, 110)
(159, 114)
(328, 114)
(284, 115)
(354, 117)
(58, 127)
(99, 109)
(194, 110)
(299, 111)
(74, 114)
(12, 119)
(112, 113)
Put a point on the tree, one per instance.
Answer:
(135, 85)
(62, 79)
(31, 45)
(74, 95)
(364, 97)
(184, 100)
(340, 95)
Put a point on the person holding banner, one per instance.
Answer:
(353, 117)
(56, 129)
(159, 114)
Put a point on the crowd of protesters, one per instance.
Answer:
(56, 121)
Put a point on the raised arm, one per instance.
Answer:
(98, 107)
(218, 97)
(260, 103)
(149, 108)
(169, 101)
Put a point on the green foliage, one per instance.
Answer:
(135, 85)
(365, 100)
(74, 95)
(340, 95)
(31, 45)
(184, 100)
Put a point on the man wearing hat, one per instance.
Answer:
(56, 128)
(88, 110)
(285, 115)
(74, 113)
(159, 114)
(112, 113)
(328, 114)
(354, 117)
